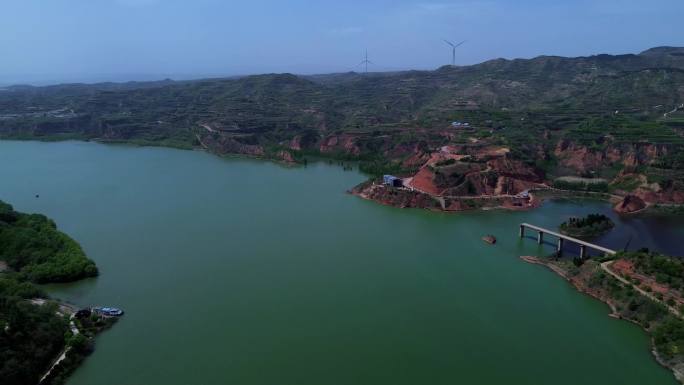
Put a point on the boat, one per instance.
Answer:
(489, 239)
(109, 311)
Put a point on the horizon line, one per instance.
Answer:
(45, 81)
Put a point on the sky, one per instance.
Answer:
(50, 41)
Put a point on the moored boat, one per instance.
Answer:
(109, 311)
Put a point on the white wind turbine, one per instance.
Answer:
(365, 62)
(453, 50)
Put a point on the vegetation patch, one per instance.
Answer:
(627, 183)
(31, 336)
(590, 226)
(35, 331)
(31, 245)
(581, 185)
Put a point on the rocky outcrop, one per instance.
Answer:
(447, 175)
(406, 198)
(507, 167)
(295, 143)
(667, 193)
(224, 145)
(630, 204)
(424, 181)
(579, 158)
(402, 150)
(583, 159)
(285, 156)
(402, 198)
(343, 143)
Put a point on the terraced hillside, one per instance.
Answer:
(614, 118)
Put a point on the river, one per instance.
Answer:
(235, 271)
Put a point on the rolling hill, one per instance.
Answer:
(615, 118)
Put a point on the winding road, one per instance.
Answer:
(606, 267)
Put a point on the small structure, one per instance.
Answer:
(83, 313)
(460, 124)
(392, 181)
(523, 194)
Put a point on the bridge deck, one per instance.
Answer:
(571, 239)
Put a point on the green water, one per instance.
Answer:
(246, 272)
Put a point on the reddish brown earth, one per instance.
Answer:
(424, 181)
(461, 178)
(402, 198)
(475, 169)
(224, 145)
(579, 158)
(285, 156)
(630, 204)
(666, 195)
(626, 269)
(582, 159)
(295, 143)
(345, 143)
(507, 167)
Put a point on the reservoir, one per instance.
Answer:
(235, 271)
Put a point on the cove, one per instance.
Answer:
(235, 271)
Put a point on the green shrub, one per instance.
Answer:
(32, 245)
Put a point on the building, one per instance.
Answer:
(392, 181)
(524, 194)
(460, 124)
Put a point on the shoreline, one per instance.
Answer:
(536, 200)
(72, 356)
(537, 197)
(67, 332)
(541, 200)
(677, 370)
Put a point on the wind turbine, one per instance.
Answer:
(366, 61)
(453, 50)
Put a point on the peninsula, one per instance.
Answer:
(41, 341)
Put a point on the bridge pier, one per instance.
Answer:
(584, 245)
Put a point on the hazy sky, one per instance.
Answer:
(93, 40)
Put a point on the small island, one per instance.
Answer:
(590, 226)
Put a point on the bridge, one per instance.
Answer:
(562, 238)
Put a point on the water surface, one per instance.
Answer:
(236, 271)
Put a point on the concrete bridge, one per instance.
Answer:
(562, 238)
